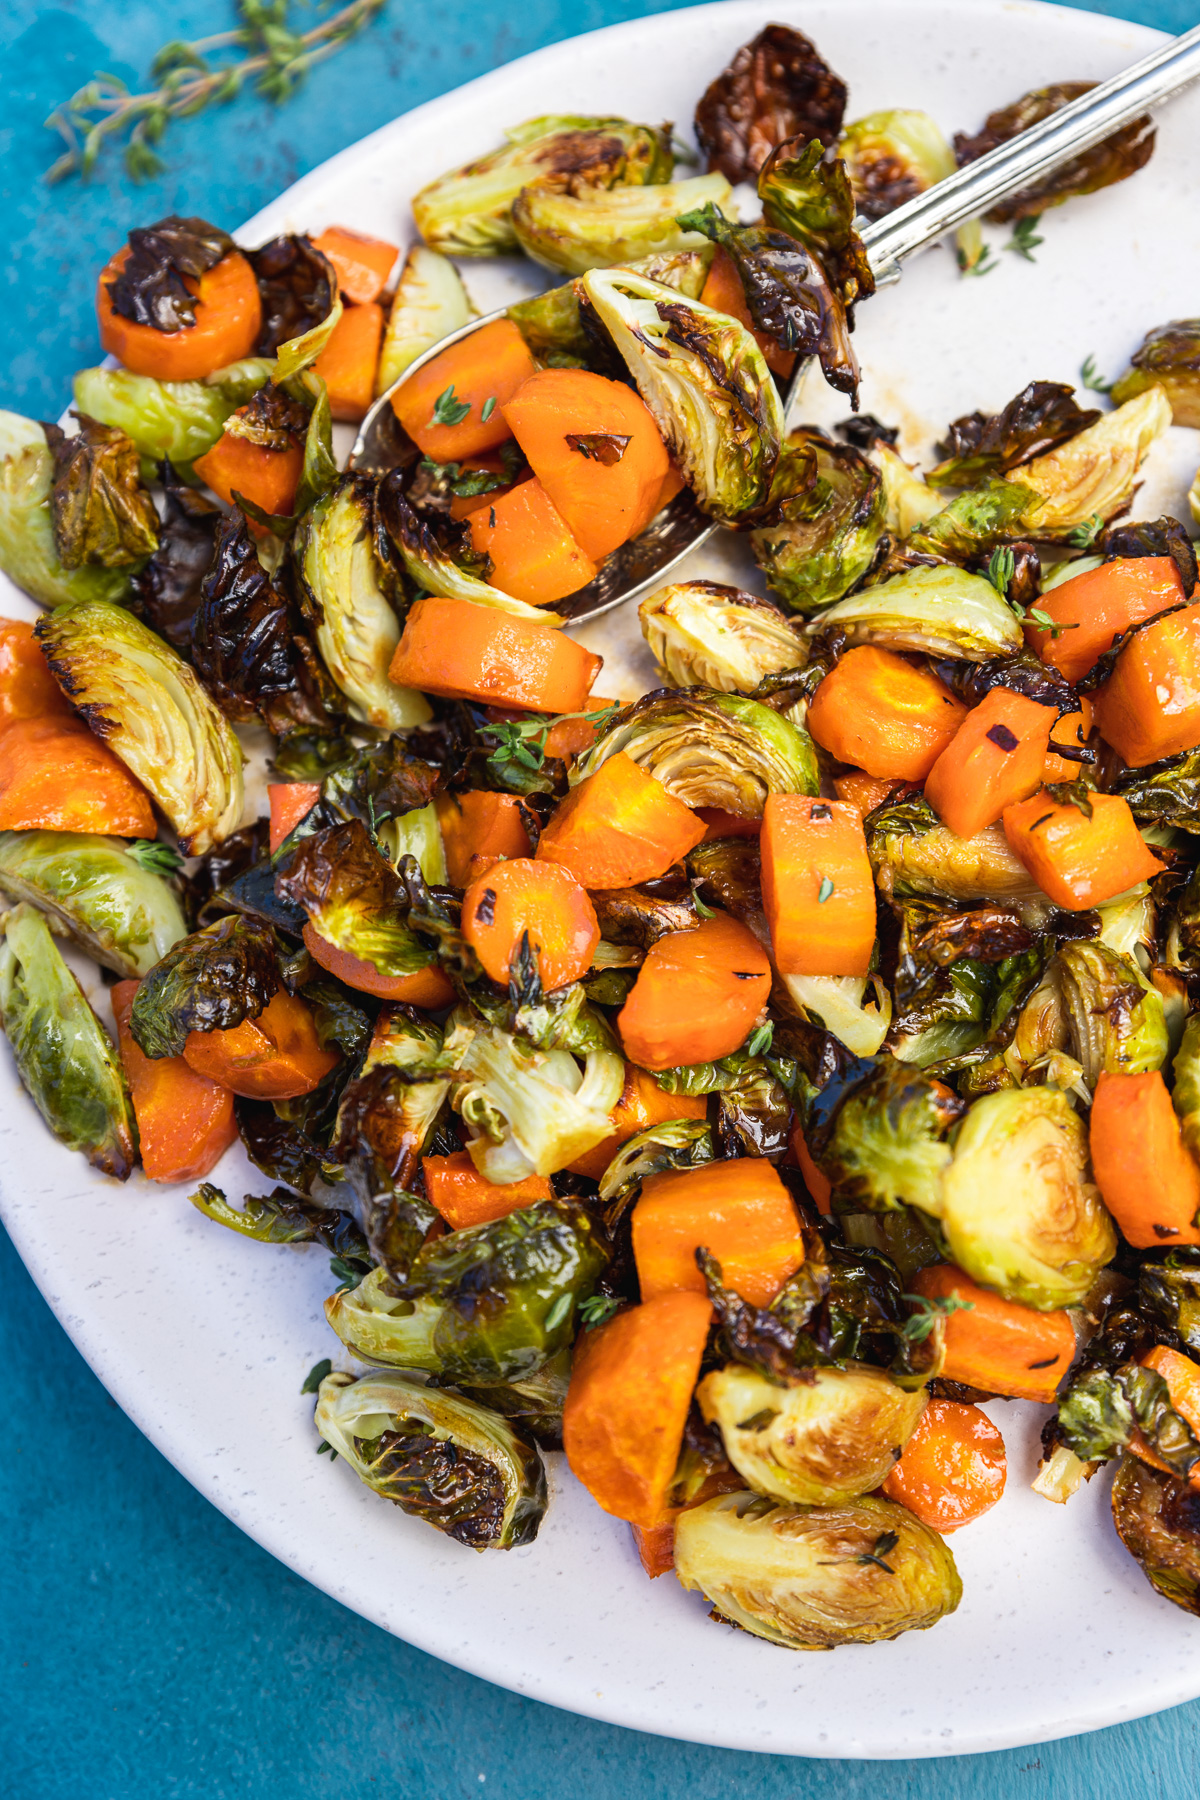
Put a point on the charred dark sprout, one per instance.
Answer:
(305, 756)
(1152, 537)
(1042, 416)
(211, 981)
(777, 87)
(1166, 793)
(102, 515)
(282, 1218)
(787, 294)
(447, 410)
(316, 1376)
(1113, 159)
(166, 591)
(158, 283)
(604, 447)
(211, 873)
(272, 419)
(297, 286)
(812, 200)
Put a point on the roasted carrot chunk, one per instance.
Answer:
(277, 1056)
(596, 451)
(185, 1121)
(719, 824)
(865, 792)
(479, 829)
(696, 997)
(481, 372)
(27, 688)
(362, 264)
(228, 320)
(56, 775)
(267, 477)
(739, 1210)
(724, 292)
(1146, 1175)
(1097, 606)
(428, 988)
(631, 1386)
(996, 756)
(655, 1545)
(349, 360)
(1079, 861)
(1071, 732)
(815, 1180)
(998, 1345)
(534, 556)
(642, 1104)
(884, 714)
(817, 885)
(538, 900)
(1150, 708)
(469, 652)
(619, 827)
(290, 801)
(462, 1196)
(953, 1467)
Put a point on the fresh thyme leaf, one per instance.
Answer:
(155, 858)
(919, 1324)
(1085, 535)
(1024, 239)
(986, 263)
(558, 1312)
(597, 1309)
(447, 410)
(348, 1274)
(706, 912)
(316, 1376)
(488, 408)
(760, 1041)
(1091, 378)
(1043, 619)
(324, 1449)
(825, 890)
(883, 1546)
(1002, 566)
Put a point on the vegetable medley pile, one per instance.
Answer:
(734, 1087)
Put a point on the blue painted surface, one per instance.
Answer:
(148, 1650)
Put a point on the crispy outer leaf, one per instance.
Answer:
(786, 293)
(1042, 416)
(166, 592)
(151, 288)
(103, 517)
(353, 897)
(210, 981)
(811, 198)
(297, 286)
(777, 86)
(1113, 159)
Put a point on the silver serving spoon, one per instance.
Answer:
(970, 192)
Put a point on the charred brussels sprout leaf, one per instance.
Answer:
(492, 1303)
(1168, 357)
(103, 517)
(211, 981)
(942, 612)
(166, 592)
(912, 853)
(1166, 793)
(826, 524)
(778, 86)
(27, 553)
(445, 1459)
(675, 1144)
(282, 1218)
(353, 898)
(62, 1052)
(97, 891)
(298, 289)
(378, 783)
(811, 199)
(1102, 1409)
(891, 157)
(704, 635)
(1115, 1016)
(1152, 537)
(1042, 416)
(1113, 159)
(150, 288)
(534, 1406)
(1158, 1520)
(811, 1578)
(597, 227)
(435, 553)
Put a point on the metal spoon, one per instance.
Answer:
(967, 194)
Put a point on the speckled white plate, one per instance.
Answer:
(204, 1339)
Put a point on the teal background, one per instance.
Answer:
(148, 1650)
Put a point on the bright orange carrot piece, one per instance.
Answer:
(362, 264)
(619, 827)
(642, 1104)
(469, 652)
(1071, 731)
(480, 829)
(1150, 707)
(1079, 862)
(996, 756)
(631, 1386)
(27, 688)
(655, 1545)
(884, 714)
(185, 1121)
(724, 292)
(228, 320)
(815, 1180)
(481, 372)
(719, 824)
(348, 362)
(535, 898)
(953, 1467)
(817, 886)
(428, 988)
(739, 1210)
(56, 775)
(865, 792)
(1097, 606)
(290, 801)
(696, 997)
(1146, 1175)
(998, 1345)
(534, 556)
(276, 1056)
(459, 1192)
(268, 478)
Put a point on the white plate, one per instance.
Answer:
(204, 1339)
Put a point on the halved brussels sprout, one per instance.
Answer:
(825, 1438)
(710, 749)
(857, 1009)
(594, 227)
(912, 853)
(703, 635)
(282, 1217)
(887, 1147)
(416, 833)
(1114, 158)
(122, 912)
(211, 981)
(1115, 1016)
(1168, 357)
(704, 379)
(1019, 1212)
(534, 1404)
(892, 156)
(908, 500)
(814, 1577)
(353, 898)
(829, 523)
(62, 1052)
(492, 1303)
(1044, 415)
(444, 1459)
(943, 611)
(809, 196)
(357, 630)
(429, 556)
(148, 706)
(551, 322)
(775, 87)
(675, 1144)
(102, 515)
(27, 552)
(429, 303)
(1158, 1520)
(467, 211)
(175, 420)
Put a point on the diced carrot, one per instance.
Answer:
(362, 264)
(998, 1345)
(468, 652)
(1146, 1175)
(481, 372)
(818, 890)
(724, 292)
(642, 1104)
(952, 1469)
(655, 1545)
(739, 1210)
(185, 1121)
(1079, 862)
(815, 1180)
(1099, 605)
(27, 688)
(428, 988)
(696, 997)
(718, 824)
(57, 775)
(1150, 707)
(596, 450)
(290, 801)
(459, 1192)
(996, 756)
(535, 898)
(228, 321)
(276, 1056)
(884, 714)
(267, 477)
(1182, 1377)
(619, 827)
(348, 362)
(534, 556)
(865, 792)
(631, 1386)
(479, 829)
(1072, 730)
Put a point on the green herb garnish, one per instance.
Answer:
(447, 410)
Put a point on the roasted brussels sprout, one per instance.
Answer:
(1115, 1016)
(814, 1577)
(173, 420)
(912, 853)
(1018, 1210)
(492, 1303)
(552, 323)
(908, 500)
(533, 1405)
(1114, 158)
(1103, 1409)
(210, 981)
(777, 86)
(166, 591)
(1168, 357)
(811, 199)
(887, 1144)
(99, 893)
(283, 1218)
(710, 749)
(857, 1009)
(468, 211)
(444, 1459)
(62, 1052)
(595, 227)
(1157, 1518)
(675, 1144)
(942, 611)
(27, 551)
(829, 523)
(301, 302)
(148, 706)
(429, 303)
(436, 554)
(825, 1438)
(704, 635)
(353, 898)
(102, 515)
(1042, 416)
(704, 379)
(892, 157)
